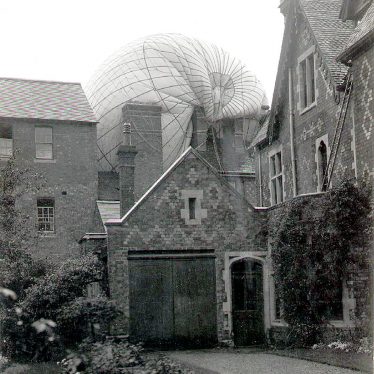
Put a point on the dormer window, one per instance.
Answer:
(307, 80)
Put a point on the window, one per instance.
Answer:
(192, 207)
(322, 156)
(276, 178)
(307, 89)
(46, 215)
(192, 212)
(333, 309)
(6, 141)
(322, 152)
(277, 303)
(43, 143)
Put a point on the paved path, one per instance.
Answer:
(213, 362)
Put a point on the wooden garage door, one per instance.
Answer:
(173, 301)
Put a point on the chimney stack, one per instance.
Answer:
(126, 167)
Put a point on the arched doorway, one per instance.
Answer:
(247, 302)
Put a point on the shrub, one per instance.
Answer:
(318, 243)
(57, 297)
(113, 356)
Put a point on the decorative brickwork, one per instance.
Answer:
(157, 224)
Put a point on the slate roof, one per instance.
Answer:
(248, 165)
(21, 98)
(108, 210)
(362, 32)
(262, 133)
(331, 33)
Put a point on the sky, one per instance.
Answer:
(68, 40)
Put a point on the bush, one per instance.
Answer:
(103, 357)
(318, 243)
(54, 313)
(113, 356)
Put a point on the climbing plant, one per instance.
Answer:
(317, 244)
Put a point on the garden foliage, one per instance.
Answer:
(43, 307)
(318, 244)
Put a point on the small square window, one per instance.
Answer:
(43, 143)
(192, 207)
(46, 215)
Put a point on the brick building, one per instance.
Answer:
(53, 128)
(318, 132)
(187, 248)
(189, 261)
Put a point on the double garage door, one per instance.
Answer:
(173, 300)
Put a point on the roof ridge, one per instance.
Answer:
(38, 80)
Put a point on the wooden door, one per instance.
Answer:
(194, 302)
(247, 302)
(173, 301)
(151, 301)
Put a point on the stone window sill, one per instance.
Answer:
(45, 161)
(339, 323)
(279, 323)
(47, 234)
(308, 108)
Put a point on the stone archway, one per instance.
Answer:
(247, 302)
(232, 258)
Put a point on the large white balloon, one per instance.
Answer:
(177, 73)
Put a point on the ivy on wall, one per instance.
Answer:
(317, 243)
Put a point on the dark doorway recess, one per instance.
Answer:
(247, 302)
(173, 301)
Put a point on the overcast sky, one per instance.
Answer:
(67, 40)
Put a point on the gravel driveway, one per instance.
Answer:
(213, 362)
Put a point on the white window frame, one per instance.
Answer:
(305, 57)
(349, 305)
(325, 139)
(39, 142)
(46, 215)
(6, 142)
(274, 191)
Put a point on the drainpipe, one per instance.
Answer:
(260, 176)
(291, 114)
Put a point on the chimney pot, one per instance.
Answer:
(127, 133)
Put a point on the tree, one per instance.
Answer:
(45, 308)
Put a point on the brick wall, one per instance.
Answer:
(230, 225)
(70, 178)
(363, 108)
(308, 127)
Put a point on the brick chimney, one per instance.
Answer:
(146, 135)
(126, 166)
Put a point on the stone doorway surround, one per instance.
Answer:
(232, 257)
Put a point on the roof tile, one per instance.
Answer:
(330, 32)
(21, 98)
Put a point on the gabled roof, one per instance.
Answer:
(262, 133)
(21, 98)
(363, 35)
(330, 32)
(189, 151)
